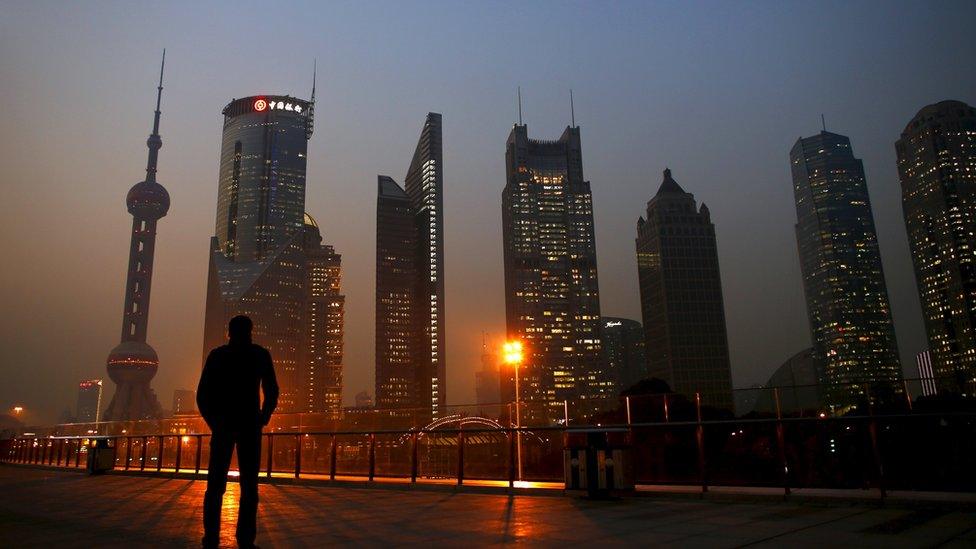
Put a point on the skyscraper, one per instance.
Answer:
(133, 363)
(184, 402)
(324, 312)
(843, 281)
(410, 340)
(681, 296)
(266, 260)
(552, 300)
(937, 168)
(89, 401)
(623, 343)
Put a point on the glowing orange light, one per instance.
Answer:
(18, 409)
(512, 352)
(260, 105)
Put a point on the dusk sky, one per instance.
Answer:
(718, 92)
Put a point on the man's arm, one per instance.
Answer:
(205, 390)
(269, 384)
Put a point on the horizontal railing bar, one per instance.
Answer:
(571, 429)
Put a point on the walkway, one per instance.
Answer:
(50, 508)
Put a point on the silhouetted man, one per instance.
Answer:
(229, 400)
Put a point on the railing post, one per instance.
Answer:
(667, 413)
(781, 442)
(270, 454)
(67, 452)
(700, 438)
(875, 448)
(511, 458)
(60, 450)
(142, 458)
(298, 455)
(413, 456)
(372, 456)
(159, 453)
(627, 403)
(460, 463)
(50, 452)
(196, 470)
(179, 451)
(44, 446)
(566, 413)
(332, 458)
(128, 452)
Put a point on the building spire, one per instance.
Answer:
(155, 142)
(520, 104)
(823, 122)
(572, 109)
(310, 119)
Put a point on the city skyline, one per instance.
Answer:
(619, 143)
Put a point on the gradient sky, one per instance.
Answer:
(718, 92)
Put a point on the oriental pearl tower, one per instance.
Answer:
(133, 363)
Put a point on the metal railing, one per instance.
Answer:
(914, 450)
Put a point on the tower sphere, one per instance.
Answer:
(147, 199)
(132, 358)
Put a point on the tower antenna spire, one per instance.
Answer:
(159, 93)
(310, 119)
(155, 142)
(572, 108)
(823, 122)
(315, 63)
(520, 104)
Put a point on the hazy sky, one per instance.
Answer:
(718, 92)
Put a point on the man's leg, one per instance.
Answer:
(221, 449)
(248, 460)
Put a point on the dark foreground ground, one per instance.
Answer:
(48, 508)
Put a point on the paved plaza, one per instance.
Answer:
(50, 508)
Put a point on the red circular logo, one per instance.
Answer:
(260, 105)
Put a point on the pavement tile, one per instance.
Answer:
(48, 508)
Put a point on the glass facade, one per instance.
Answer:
(623, 342)
(681, 297)
(411, 368)
(396, 275)
(937, 168)
(324, 322)
(843, 281)
(552, 299)
(261, 188)
(267, 261)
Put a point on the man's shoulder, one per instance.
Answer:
(259, 350)
(219, 350)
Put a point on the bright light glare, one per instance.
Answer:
(512, 352)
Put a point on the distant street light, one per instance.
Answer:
(512, 355)
(18, 410)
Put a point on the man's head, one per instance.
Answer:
(240, 329)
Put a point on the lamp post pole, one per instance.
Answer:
(518, 422)
(513, 356)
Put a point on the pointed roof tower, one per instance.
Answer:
(669, 185)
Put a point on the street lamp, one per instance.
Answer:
(512, 354)
(18, 410)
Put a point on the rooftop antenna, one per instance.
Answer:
(572, 109)
(310, 120)
(520, 104)
(823, 122)
(159, 93)
(155, 142)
